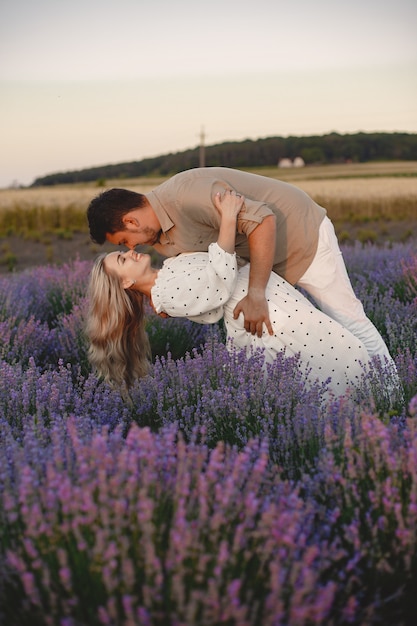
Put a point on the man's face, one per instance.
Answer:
(141, 228)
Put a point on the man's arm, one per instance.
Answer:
(262, 250)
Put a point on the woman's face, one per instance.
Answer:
(129, 266)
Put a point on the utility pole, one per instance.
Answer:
(202, 148)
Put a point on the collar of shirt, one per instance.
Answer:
(160, 211)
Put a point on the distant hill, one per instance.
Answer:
(331, 148)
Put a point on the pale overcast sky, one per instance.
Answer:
(92, 82)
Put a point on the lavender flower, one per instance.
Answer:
(223, 493)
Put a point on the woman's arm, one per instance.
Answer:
(198, 285)
(229, 205)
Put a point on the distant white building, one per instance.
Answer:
(298, 162)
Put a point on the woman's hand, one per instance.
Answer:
(229, 203)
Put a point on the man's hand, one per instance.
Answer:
(255, 311)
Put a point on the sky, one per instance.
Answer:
(93, 82)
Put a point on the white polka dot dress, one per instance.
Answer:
(196, 285)
(326, 348)
(207, 286)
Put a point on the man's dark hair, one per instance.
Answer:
(105, 212)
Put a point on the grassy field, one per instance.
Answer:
(374, 202)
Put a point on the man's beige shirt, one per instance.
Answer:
(184, 205)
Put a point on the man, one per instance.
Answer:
(280, 228)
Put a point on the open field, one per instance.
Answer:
(367, 202)
(353, 178)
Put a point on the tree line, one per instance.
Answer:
(322, 149)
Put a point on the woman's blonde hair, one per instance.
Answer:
(115, 327)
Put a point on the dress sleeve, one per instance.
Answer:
(196, 285)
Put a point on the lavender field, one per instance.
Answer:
(217, 496)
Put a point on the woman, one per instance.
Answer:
(204, 287)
